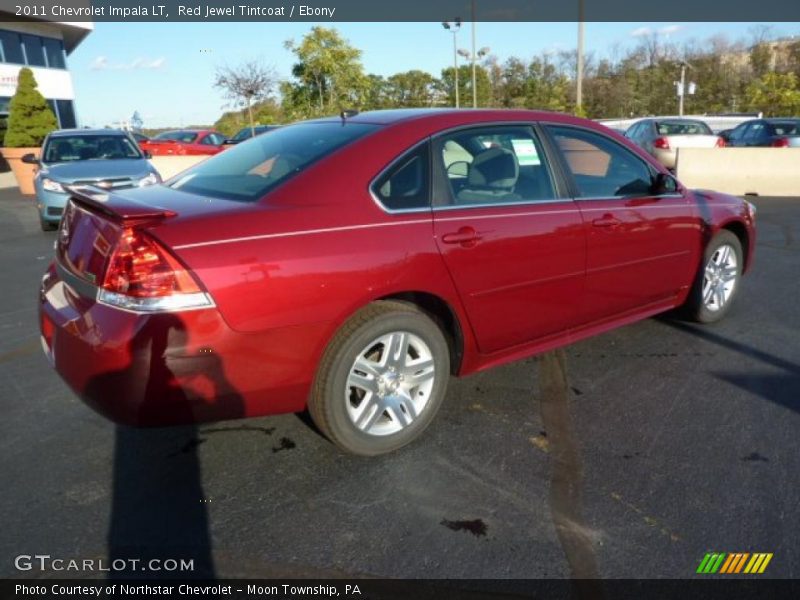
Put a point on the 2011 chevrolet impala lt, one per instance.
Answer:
(350, 265)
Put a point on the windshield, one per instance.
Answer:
(67, 148)
(187, 137)
(243, 134)
(249, 170)
(683, 128)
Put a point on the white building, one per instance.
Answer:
(43, 46)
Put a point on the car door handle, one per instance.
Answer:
(607, 220)
(466, 236)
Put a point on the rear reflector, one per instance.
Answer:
(780, 143)
(143, 276)
(720, 143)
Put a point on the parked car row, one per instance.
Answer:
(661, 138)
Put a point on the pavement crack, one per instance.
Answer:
(566, 506)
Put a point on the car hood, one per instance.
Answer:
(97, 170)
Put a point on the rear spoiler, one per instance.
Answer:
(117, 206)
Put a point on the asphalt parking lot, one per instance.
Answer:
(628, 455)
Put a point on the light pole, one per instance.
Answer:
(473, 57)
(579, 74)
(682, 86)
(453, 27)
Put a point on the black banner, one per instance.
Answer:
(712, 588)
(405, 10)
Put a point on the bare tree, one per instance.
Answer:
(248, 82)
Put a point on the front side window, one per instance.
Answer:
(600, 167)
(406, 184)
(246, 172)
(69, 148)
(494, 165)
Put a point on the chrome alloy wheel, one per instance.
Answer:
(390, 383)
(719, 278)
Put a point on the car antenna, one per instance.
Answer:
(347, 113)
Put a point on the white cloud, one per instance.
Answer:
(670, 29)
(641, 32)
(101, 64)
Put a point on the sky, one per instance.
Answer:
(165, 71)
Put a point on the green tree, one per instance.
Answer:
(775, 94)
(483, 85)
(30, 118)
(264, 113)
(411, 89)
(328, 75)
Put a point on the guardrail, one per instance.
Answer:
(740, 171)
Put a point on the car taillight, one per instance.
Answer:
(720, 143)
(143, 276)
(780, 142)
(661, 143)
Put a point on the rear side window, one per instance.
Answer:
(600, 167)
(406, 184)
(246, 172)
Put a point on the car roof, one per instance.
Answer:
(71, 132)
(397, 115)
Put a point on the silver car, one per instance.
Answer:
(662, 137)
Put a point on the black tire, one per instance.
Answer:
(695, 307)
(329, 400)
(47, 225)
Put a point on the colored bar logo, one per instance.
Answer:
(734, 563)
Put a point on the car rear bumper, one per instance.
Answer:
(172, 368)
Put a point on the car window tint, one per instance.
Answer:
(682, 128)
(494, 165)
(754, 132)
(600, 167)
(246, 172)
(186, 137)
(786, 128)
(68, 148)
(406, 184)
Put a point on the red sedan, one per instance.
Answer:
(351, 265)
(184, 142)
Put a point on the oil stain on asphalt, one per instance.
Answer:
(476, 527)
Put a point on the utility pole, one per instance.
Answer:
(682, 89)
(453, 28)
(474, 87)
(579, 74)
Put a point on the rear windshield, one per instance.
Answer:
(683, 128)
(187, 137)
(249, 170)
(68, 148)
(786, 127)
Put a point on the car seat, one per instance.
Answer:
(492, 177)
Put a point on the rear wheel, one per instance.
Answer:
(381, 380)
(717, 283)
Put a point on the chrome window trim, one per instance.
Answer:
(502, 204)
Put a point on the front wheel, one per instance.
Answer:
(717, 284)
(381, 380)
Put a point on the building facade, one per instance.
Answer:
(43, 46)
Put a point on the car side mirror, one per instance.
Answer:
(30, 159)
(664, 184)
(458, 169)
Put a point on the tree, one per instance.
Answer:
(411, 89)
(30, 118)
(264, 113)
(775, 94)
(483, 85)
(249, 82)
(328, 75)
